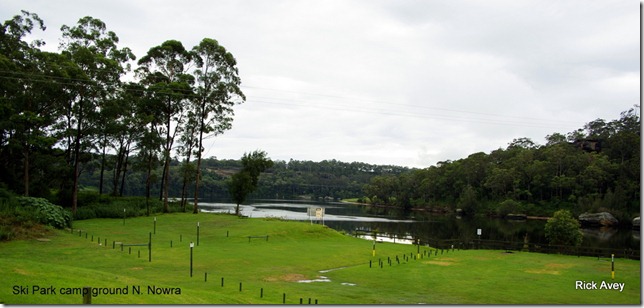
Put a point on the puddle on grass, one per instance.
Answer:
(320, 279)
(326, 279)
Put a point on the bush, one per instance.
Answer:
(509, 206)
(103, 206)
(563, 229)
(47, 213)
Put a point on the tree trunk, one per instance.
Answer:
(100, 180)
(185, 184)
(162, 183)
(26, 169)
(79, 127)
(195, 208)
(166, 167)
(127, 156)
(165, 188)
(148, 182)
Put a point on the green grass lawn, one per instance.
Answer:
(269, 271)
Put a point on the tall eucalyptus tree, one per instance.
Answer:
(91, 47)
(165, 72)
(217, 91)
(30, 96)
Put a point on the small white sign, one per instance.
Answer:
(319, 212)
(478, 232)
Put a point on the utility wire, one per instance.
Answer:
(399, 109)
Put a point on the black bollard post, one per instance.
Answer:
(197, 233)
(240, 287)
(139, 253)
(222, 281)
(150, 248)
(129, 250)
(192, 245)
(87, 295)
(205, 276)
(284, 298)
(261, 293)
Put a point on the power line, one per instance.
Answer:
(411, 105)
(478, 117)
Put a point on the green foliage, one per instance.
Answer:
(244, 182)
(468, 200)
(509, 206)
(589, 168)
(563, 229)
(103, 206)
(47, 213)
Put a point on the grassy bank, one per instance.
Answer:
(269, 270)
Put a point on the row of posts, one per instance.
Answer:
(87, 290)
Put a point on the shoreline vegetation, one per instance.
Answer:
(291, 264)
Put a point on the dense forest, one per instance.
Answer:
(595, 168)
(58, 110)
(293, 179)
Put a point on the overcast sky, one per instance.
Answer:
(398, 82)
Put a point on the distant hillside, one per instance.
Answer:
(328, 179)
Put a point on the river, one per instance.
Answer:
(418, 225)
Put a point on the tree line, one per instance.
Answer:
(594, 168)
(327, 180)
(61, 110)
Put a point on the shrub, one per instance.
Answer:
(509, 206)
(563, 229)
(47, 213)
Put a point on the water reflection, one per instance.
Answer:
(422, 226)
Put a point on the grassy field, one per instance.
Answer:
(230, 268)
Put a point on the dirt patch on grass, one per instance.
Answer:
(21, 272)
(286, 277)
(136, 268)
(550, 269)
(441, 263)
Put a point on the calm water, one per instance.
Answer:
(428, 228)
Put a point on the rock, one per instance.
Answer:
(597, 219)
(516, 216)
(636, 223)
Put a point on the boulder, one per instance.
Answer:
(604, 219)
(516, 216)
(636, 223)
